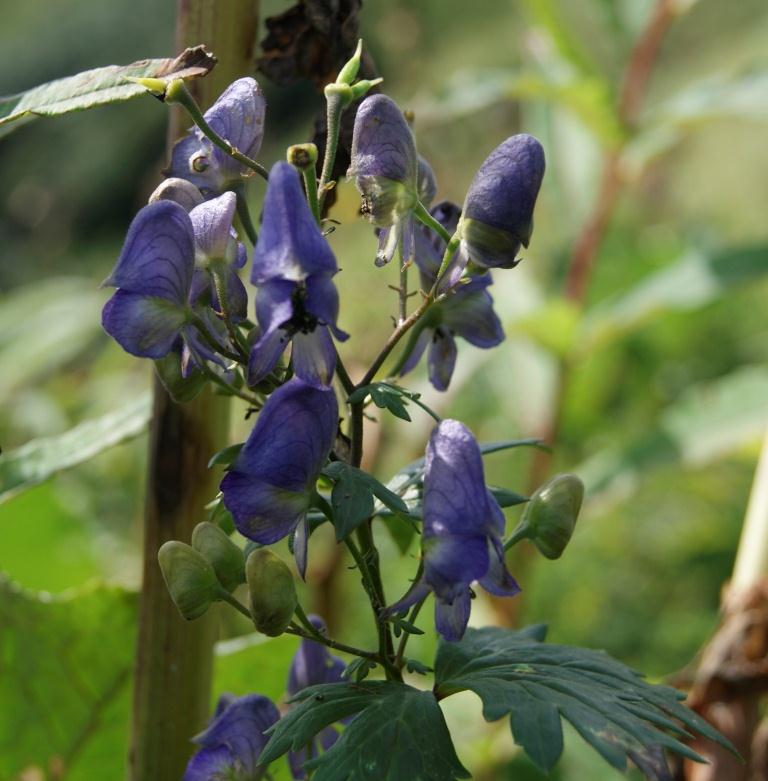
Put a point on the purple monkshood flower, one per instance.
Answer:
(388, 173)
(163, 276)
(296, 300)
(231, 744)
(463, 525)
(238, 117)
(269, 487)
(311, 666)
(498, 210)
(466, 312)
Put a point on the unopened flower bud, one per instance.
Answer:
(179, 190)
(272, 591)
(552, 512)
(340, 92)
(348, 73)
(190, 578)
(302, 156)
(226, 558)
(497, 217)
(363, 87)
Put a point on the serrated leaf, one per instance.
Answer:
(610, 705)
(98, 87)
(399, 733)
(37, 460)
(71, 659)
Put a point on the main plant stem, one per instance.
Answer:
(172, 679)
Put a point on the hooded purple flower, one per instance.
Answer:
(231, 744)
(296, 300)
(467, 312)
(311, 666)
(163, 274)
(387, 170)
(269, 487)
(238, 117)
(463, 525)
(498, 210)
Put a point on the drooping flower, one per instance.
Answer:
(386, 171)
(231, 744)
(463, 525)
(466, 312)
(296, 300)
(311, 666)
(164, 280)
(269, 487)
(238, 117)
(497, 217)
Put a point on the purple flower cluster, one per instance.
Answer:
(231, 744)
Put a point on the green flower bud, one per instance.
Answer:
(227, 560)
(348, 73)
(302, 156)
(272, 591)
(362, 87)
(550, 516)
(191, 580)
(340, 92)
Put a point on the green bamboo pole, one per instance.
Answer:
(172, 683)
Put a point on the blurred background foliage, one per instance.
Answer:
(665, 356)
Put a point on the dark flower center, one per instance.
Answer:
(302, 320)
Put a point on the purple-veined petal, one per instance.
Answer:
(453, 561)
(237, 296)
(214, 763)
(424, 339)
(192, 159)
(419, 590)
(469, 313)
(382, 142)
(142, 325)
(262, 512)
(238, 117)
(212, 223)
(313, 357)
(497, 580)
(290, 244)
(441, 358)
(451, 619)
(268, 488)
(274, 303)
(158, 256)
(241, 255)
(427, 184)
(201, 287)
(240, 727)
(265, 354)
(455, 496)
(322, 301)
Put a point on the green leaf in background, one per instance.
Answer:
(399, 733)
(693, 281)
(710, 420)
(98, 87)
(44, 326)
(66, 706)
(611, 706)
(36, 461)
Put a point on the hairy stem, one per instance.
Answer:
(335, 108)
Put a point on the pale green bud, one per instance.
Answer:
(226, 558)
(272, 592)
(190, 578)
(348, 72)
(550, 516)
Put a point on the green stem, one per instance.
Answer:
(410, 346)
(425, 218)
(198, 322)
(218, 270)
(225, 596)
(310, 186)
(183, 96)
(520, 533)
(343, 375)
(404, 639)
(335, 108)
(216, 380)
(295, 629)
(402, 290)
(245, 215)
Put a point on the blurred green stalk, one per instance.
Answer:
(174, 659)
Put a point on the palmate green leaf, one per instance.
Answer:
(98, 87)
(37, 460)
(619, 714)
(67, 702)
(399, 733)
(352, 498)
